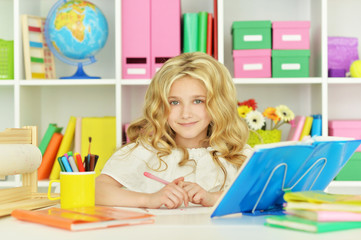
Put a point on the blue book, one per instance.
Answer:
(276, 168)
(316, 129)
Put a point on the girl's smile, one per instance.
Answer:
(188, 116)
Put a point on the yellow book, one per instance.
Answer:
(65, 146)
(322, 201)
(103, 134)
(306, 127)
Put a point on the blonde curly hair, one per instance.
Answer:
(227, 133)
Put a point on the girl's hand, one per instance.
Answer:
(171, 196)
(198, 195)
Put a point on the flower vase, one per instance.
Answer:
(264, 136)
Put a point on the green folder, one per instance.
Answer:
(190, 32)
(52, 128)
(202, 31)
(301, 224)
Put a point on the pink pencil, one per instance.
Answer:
(151, 176)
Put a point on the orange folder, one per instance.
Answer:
(49, 156)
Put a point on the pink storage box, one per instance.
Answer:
(291, 35)
(345, 128)
(254, 63)
(165, 27)
(136, 39)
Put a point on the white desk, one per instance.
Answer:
(171, 227)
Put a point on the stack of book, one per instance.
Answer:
(317, 211)
(198, 32)
(303, 126)
(55, 144)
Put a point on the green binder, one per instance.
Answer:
(190, 32)
(202, 31)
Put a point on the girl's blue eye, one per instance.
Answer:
(198, 101)
(174, 103)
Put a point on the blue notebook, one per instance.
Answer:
(285, 166)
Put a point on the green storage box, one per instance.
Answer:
(352, 170)
(251, 35)
(290, 63)
(6, 59)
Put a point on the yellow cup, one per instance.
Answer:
(77, 189)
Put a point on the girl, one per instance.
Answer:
(190, 135)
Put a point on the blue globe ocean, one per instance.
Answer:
(76, 30)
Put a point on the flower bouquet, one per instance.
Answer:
(261, 133)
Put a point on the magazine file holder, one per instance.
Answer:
(261, 183)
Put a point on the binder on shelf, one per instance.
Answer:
(209, 34)
(49, 156)
(77, 135)
(102, 131)
(52, 128)
(202, 31)
(306, 131)
(285, 166)
(190, 32)
(165, 32)
(316, 129)
(136, 39)
(65, 146)
(215, 29)
(296, 128)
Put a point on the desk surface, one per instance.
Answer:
(172, 227)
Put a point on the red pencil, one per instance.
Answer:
(79, 162)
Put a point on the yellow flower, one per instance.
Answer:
(284, 113)
(243, 110)
(270, 113)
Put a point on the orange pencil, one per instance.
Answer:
(79, 162)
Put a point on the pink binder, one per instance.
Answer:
(136, 39)
(296, 128)
(165, 31)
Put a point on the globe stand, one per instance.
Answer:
(80, 74)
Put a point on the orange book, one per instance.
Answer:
(49, 156)
(84, 218)
(209, 34)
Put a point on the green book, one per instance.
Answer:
(190, 32)
(301, 224)
(202, 31)
(52, 128)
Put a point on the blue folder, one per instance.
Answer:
(263, 179)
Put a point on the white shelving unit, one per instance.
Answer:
(39, 102)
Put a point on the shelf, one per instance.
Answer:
(7, 82)
(135, 82)
(277, 80)
(57, 82)
(344, 80)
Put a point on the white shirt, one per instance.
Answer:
(128, 167)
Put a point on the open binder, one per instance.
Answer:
(287, 166)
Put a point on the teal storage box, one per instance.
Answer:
(352, 170)
(290, 63)
(251, 35)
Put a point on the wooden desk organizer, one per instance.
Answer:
(26, 196)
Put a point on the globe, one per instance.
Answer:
(75, 31)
